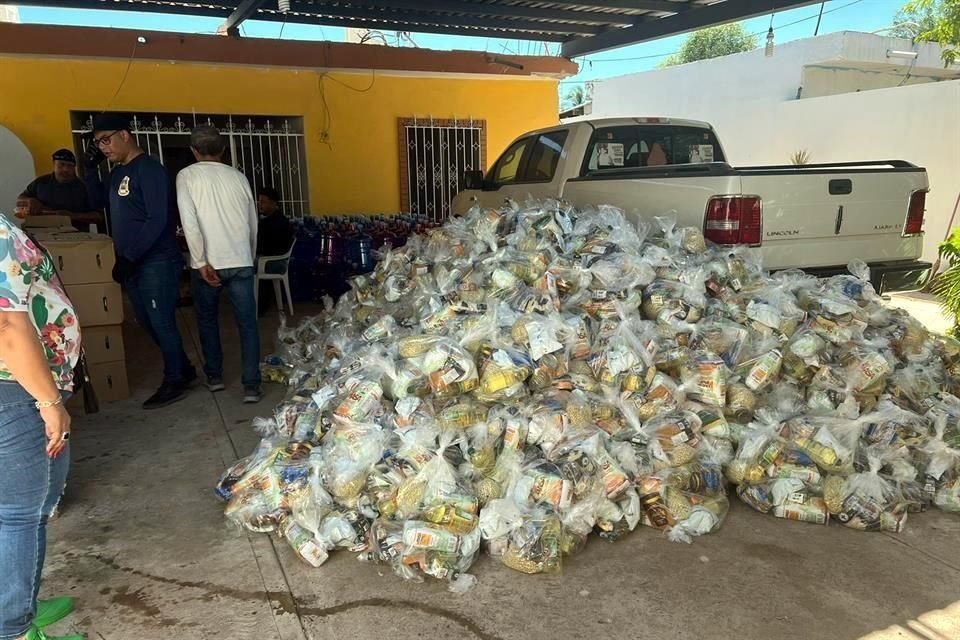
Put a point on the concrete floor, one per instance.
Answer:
(143, 546)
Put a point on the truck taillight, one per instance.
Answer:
(914, 223)
(734, 220)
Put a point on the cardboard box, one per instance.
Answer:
(110, 381)
(46, 221)
(97, 304)
(104, 344)
(81, 258)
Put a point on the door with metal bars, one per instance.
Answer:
(434, 154)
(269, 150)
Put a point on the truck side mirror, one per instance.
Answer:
(473, 180)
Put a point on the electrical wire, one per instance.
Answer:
(133, 54)
(373, 80)
(913, 63)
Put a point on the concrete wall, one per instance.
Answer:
(920, 124)
(828, 79)
(723, 86)
(717, 87)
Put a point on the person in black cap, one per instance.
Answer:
(149, 262)
(60, 192)
(275, 233)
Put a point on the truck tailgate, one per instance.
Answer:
(822, 217)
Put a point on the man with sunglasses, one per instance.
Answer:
(149, 262)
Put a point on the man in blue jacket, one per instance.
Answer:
(149, 262)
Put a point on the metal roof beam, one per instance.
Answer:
(246, 9)
(415, 20)
(454, 31)
(518, 11)
(698, 18)
(664, 6)
(177, 9)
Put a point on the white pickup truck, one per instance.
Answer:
(817, 216)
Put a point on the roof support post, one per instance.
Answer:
(246, 9)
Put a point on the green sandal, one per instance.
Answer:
(36, 634)
(51, 611)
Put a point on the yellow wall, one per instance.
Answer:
(358, 172)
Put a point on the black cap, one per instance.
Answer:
(111, 122)
(271, 193)
(64, 155)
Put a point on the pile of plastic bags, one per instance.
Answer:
(521, 378)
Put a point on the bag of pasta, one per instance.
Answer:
(867, 500)
(685, 501)
(830, 442)
(349, 452)
(534, 545)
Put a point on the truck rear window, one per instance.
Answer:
(650, 146)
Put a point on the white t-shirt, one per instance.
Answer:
(218, 214)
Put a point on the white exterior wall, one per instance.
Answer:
(920, 124)
(751, 101)
(829, 80)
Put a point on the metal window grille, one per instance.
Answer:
(269, 150)
(434, 154)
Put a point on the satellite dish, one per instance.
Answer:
(16, 171)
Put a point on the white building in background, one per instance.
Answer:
(845, 96)
(9, 14)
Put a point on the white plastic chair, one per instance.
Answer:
(277, 278)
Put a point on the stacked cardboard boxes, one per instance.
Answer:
(85, 264)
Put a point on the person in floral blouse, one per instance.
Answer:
(39, 348)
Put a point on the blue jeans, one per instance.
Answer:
(153, 292)
(30, 486)
(239, 284)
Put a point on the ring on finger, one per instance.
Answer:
(65, 436)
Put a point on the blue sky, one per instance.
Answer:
(839, 15)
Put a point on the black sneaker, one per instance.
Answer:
(165, 396)
(215, 384)
(252, 395)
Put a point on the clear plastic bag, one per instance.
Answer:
(866, 501)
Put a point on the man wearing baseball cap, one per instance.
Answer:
(60, 192)
(149, 262)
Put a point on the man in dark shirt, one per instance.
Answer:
(274, 235)
(149, 262)
(61, 193)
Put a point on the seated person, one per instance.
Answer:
(275, 233)
(274, 237)
(60, 193)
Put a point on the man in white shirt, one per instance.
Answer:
(219, 217)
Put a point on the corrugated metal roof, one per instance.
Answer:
(583, 26)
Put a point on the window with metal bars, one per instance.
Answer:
(434, 155)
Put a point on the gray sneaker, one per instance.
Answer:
(252, 395)
(215, 384)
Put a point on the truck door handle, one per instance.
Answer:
(836, 229)
(841, 187)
